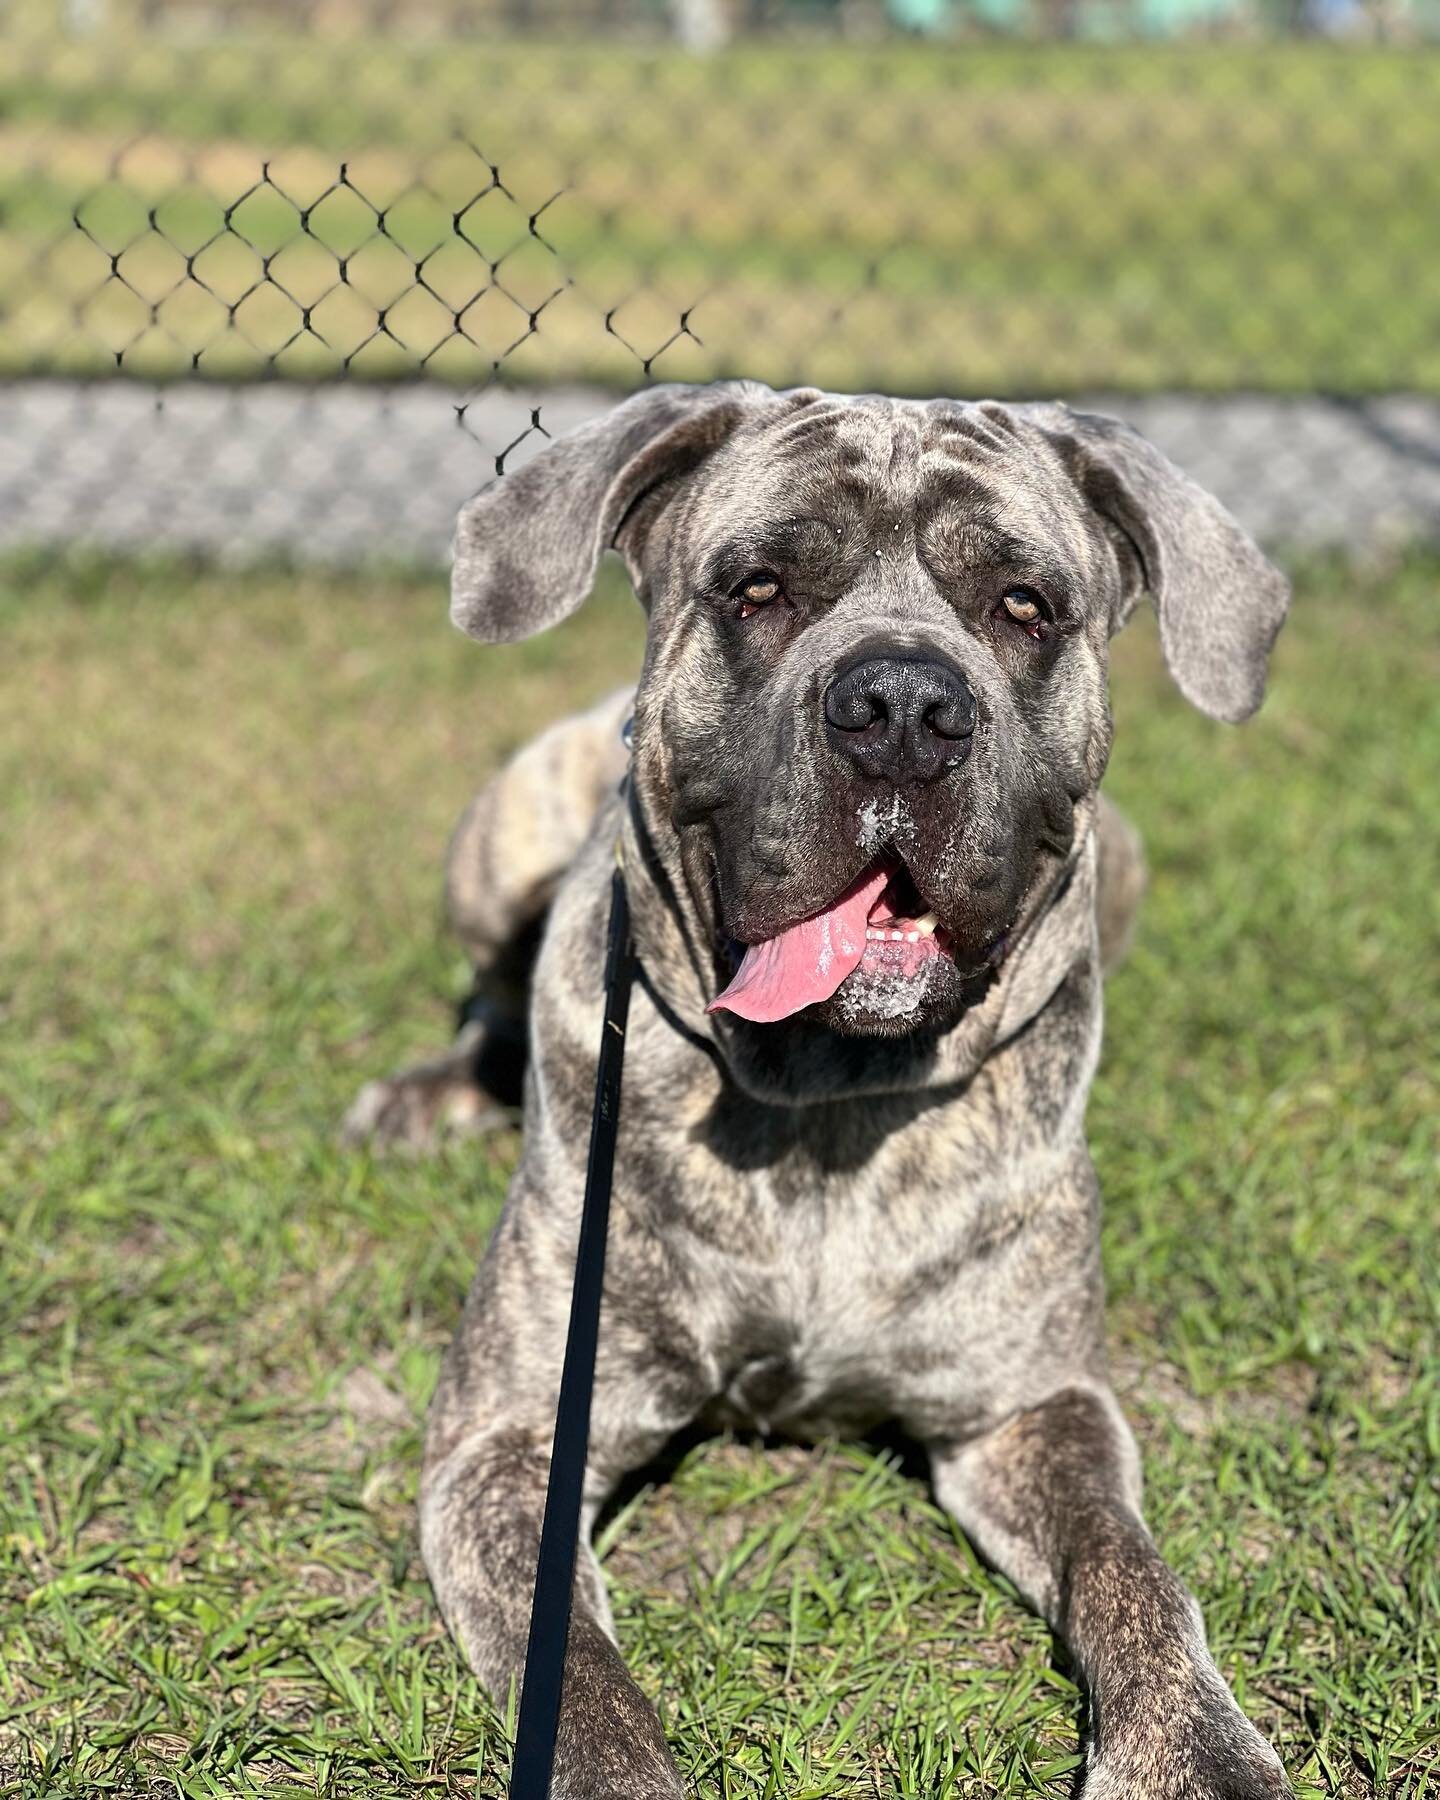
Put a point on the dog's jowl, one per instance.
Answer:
(874, 888)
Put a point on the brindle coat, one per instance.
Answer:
(861, 1213)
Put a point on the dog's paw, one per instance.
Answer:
(1214, 1754)
(418, 1108)
(640, 1787)
(612, 1775)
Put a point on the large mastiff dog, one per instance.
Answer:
(873, 887)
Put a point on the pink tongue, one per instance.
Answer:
(806, 963)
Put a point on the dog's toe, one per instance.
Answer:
(1232, 1763)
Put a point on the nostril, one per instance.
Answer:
(850, 706)
(952, 717)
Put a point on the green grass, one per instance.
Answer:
(973, 217)
(224, 802)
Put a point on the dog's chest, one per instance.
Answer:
(850, 1293)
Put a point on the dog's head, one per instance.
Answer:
(874, 698)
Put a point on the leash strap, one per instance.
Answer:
(555, 1570)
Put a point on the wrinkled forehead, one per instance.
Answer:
(938, 474)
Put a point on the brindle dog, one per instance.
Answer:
(864, 814)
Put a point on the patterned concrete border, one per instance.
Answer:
(346, 474)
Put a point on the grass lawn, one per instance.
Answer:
(974, 217)
(224, 802)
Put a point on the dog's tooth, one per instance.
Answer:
(926, 926)
(912, 937)
(897, 937)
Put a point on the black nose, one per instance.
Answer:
(901, 718)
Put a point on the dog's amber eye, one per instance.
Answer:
(1023, 605)
(757, 591)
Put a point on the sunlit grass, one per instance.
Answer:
(223, 802)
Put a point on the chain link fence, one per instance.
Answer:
(298, 277)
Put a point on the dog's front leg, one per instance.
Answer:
(481, 1529)
(483, 1495)
(1051, 1497)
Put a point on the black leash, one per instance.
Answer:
(555, 1570)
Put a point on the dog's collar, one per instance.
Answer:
(627, 738)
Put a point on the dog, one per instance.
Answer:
(873, 889)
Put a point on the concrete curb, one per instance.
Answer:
(345, 474)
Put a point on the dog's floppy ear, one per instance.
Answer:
(527, 546)
(1220, 603)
